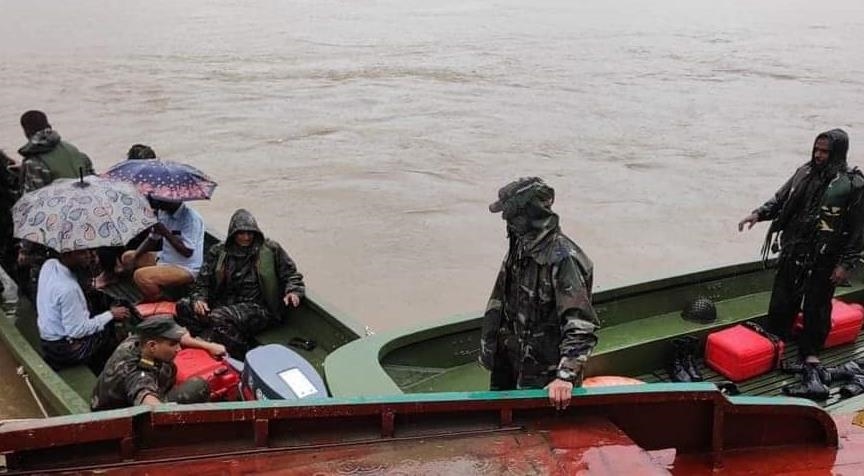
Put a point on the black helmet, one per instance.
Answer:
(700, 309)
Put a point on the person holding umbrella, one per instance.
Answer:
(72, 217)
(168, 185)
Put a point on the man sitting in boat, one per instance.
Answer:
(818, 215)
(181, 229)
(69, 335)
(539, 326)
(243, 287)
(46, 156)
(142, 372)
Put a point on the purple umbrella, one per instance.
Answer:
(164, 179)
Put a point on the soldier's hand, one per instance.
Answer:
(119, 313)
(218, 351)
(840, 275)
(201, 308)
(292, 299)
(749, 220)
(560, 392)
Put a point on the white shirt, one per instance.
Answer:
(61, 307)
(187, 225)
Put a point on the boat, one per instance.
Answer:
(68, 390)
(638, 429)
(637, 324)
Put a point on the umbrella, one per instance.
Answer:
(80, 214)
(164, 179)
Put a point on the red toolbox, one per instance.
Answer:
(846, 320)
(740, 352)
(222, 378)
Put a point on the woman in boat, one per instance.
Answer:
(242, 288)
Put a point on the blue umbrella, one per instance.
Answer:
(164, 179)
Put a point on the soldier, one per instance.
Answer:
(46, 156)
(539, 326)
(142, 372)
(817, 224)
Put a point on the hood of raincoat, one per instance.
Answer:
(40, 143)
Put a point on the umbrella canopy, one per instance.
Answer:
(80, 214)
(164, 179)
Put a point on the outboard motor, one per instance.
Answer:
(275, 372)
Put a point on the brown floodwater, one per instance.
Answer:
(368, 137)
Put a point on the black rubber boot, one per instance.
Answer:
(688, 352)
(840, 373)
(678, 367)
(811, 385)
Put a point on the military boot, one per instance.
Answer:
(810, 386)
(688, 351)
(678, 366)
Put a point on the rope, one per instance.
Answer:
(23, 374)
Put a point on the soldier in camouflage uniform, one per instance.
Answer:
(142, 372)
(46, 156)
(242, 288)
(539, 326)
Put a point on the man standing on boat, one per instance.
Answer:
(539, 326)
(817, 219)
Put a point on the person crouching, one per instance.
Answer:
(142, 372)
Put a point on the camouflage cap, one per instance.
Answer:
(160, 327)
(525, 188)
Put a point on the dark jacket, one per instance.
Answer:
(261, 273)
(47, 158)
(820, 209)
(539, 314)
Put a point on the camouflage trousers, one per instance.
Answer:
(233, 326)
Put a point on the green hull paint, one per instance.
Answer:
(68, 391)
(637, 323)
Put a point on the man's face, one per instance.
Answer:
(163, 350)
(244, 238)
(821, 151)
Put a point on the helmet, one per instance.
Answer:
(700, 309)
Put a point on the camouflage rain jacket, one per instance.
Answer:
(820, 209)
(539, 315)
(47, 157)
(261, 274)
(127, 378)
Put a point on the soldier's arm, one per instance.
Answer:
(34, 175)
(578, 320)
(770, 209)
(852, 252)
(492, 321)
(201, 288)
(138, 385)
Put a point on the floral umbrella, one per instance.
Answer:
(164, 179)
(80, 214)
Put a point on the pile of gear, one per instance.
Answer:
(816, 380)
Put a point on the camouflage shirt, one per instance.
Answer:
(540, 315)
(127, 378)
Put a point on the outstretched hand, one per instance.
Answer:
(749, 220)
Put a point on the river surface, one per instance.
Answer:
(368, 137)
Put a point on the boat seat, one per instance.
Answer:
(81, 379)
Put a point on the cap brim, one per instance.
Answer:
(176, 333)
(496, 207)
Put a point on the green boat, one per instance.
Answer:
(68, 391)
(638, 322)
